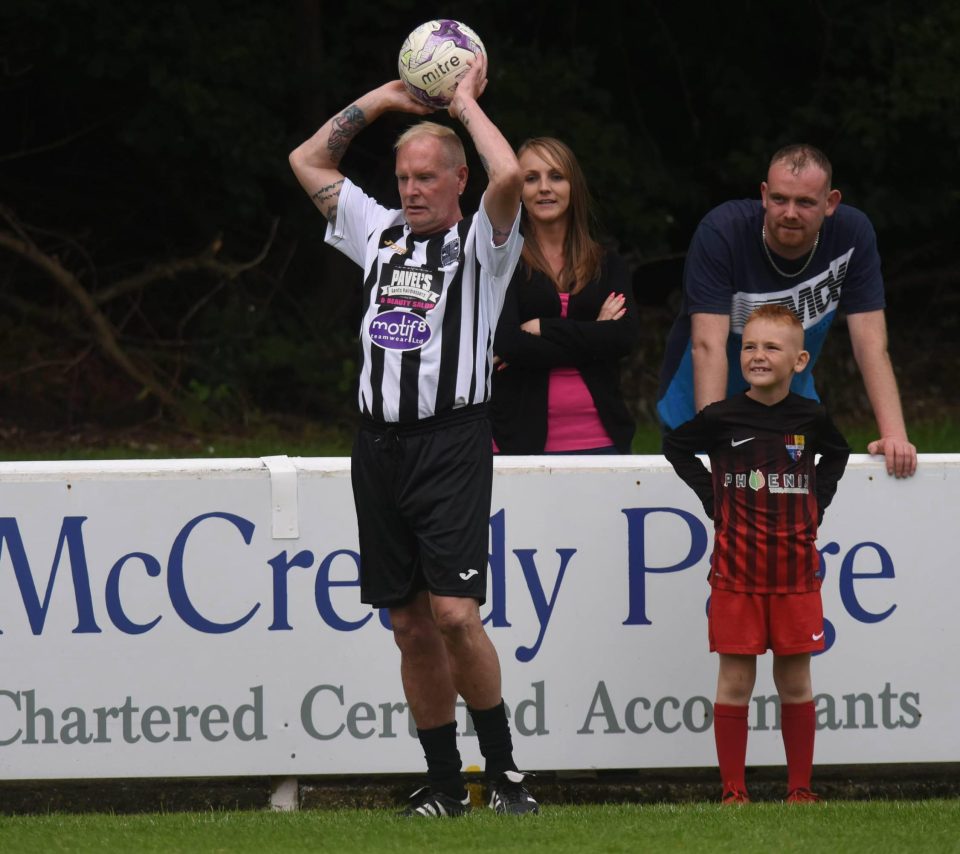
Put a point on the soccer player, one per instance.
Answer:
(766, 497)
(422, 468)
(797, 246)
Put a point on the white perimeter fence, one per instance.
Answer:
(202, 618)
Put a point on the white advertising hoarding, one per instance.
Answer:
(202, 618)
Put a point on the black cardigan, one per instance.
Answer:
(519, 396)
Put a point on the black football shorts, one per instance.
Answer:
(422, 493)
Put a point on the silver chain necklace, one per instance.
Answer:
(763, 235)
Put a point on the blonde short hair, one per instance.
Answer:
(456, 156)
(777, 313)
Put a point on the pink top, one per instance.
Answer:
(572, 420)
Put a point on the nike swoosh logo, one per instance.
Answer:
(466, 576)
(735, 442)
(816, 637)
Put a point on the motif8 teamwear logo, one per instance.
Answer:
(399, 330)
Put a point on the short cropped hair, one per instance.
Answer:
(799, 156)
(776, 313)
(456, 155)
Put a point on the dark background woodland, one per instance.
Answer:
(158, 262)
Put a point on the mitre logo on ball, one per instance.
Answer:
(433, 60)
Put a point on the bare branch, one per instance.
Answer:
(206, 261)
(198, 305)
(103, 330)
(50, 146)
(19, 239)
(15, 224)
(65, 364)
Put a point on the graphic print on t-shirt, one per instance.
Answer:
(407, 293)
(811, 300)
(409, 287)
(399, 330)
(450, 252)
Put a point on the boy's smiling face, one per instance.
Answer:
(770, 354)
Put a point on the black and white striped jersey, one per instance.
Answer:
(430, 307)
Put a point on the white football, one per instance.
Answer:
(433, 60)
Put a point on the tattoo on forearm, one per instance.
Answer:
(325, 194)
(499, 232)
(345, 127)
(463, 117)
(326, 199)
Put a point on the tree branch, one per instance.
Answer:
(103, 330)
(50, 146)
(206, 261)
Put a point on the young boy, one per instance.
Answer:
(766, 498)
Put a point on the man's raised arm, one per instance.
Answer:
(504, 179)
(316, 162)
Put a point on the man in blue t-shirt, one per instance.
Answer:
(798, 247)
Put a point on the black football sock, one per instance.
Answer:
(443, 760)
(493, 734)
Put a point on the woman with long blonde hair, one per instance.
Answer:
(568, 319)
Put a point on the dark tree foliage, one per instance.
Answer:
(156, 254)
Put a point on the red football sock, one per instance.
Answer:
(730, 732)
(798, 725)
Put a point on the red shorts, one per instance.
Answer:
(752, 623)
